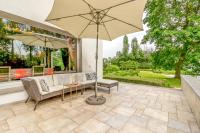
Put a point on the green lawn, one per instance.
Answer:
(146, 77)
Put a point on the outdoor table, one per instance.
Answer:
(108, 83)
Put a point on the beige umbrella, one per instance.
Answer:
(36, 39)
(104, 19)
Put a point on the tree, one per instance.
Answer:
(125, 45)
(30, 49)
(135, 46)
(175, 29)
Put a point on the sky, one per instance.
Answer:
(111, 47)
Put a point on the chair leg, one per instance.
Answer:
(36, 104)
(109, 90)
(27, 99)
(62, 95)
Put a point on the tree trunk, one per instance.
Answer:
(12, 50)
(179, 65)
(30, 52)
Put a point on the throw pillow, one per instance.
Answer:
(44, 85)
(90, 76)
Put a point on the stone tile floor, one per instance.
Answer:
(133, 109)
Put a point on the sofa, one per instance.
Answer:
(55, 84)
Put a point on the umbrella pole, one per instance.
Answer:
(97, 48)
(96, 100)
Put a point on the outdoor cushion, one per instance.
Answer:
(57, 79)
(49, 80)
(44, 85)
(80, 77)
(107, 81)
(87, 82)
(53, 89)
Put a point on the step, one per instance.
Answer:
(12, 91)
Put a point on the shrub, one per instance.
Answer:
(128, 65)
(145, 65)
(111, 68)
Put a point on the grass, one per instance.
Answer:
(146, 77)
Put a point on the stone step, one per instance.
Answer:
(11, 87)
(12, 91)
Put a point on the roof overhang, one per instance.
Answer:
(32, 23)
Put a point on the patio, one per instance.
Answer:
(134, 108)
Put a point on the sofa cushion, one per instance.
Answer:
(44, 85)
(87, 82)
(80, 77)
(53, 89)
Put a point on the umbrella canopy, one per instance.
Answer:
(116, 17)
(36, 39)
(104, 19)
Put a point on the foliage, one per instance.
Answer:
(57, 60)
(125, 49)
(145, 65)
(134, 46)
(175, 29)
(128, 65)
(111, 68)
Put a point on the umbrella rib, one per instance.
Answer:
(85, 27)
(32, 42)
(88, 19)
(106, 30)
(88, 4)
(118, 5)
(107, 21)
(124, 22)
(68, 16)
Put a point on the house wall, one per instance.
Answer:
(86, 55)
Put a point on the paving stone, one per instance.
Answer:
(58, 123)
(23, 120)
(194, 127)
(138, 120)
(92, 126)
(157, 126)
(117, 121)
(5, 114)
(130, 128)
(166, 108)
(84, 116)
(179, 126)
(3, 126)
(112, 130)
(17, 130)
(173, 130)
(127, 111)
(157, 114)
(173, 116)
(33, 128)
(103, 117)
(185, 116)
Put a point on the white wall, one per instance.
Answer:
(87, 56)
